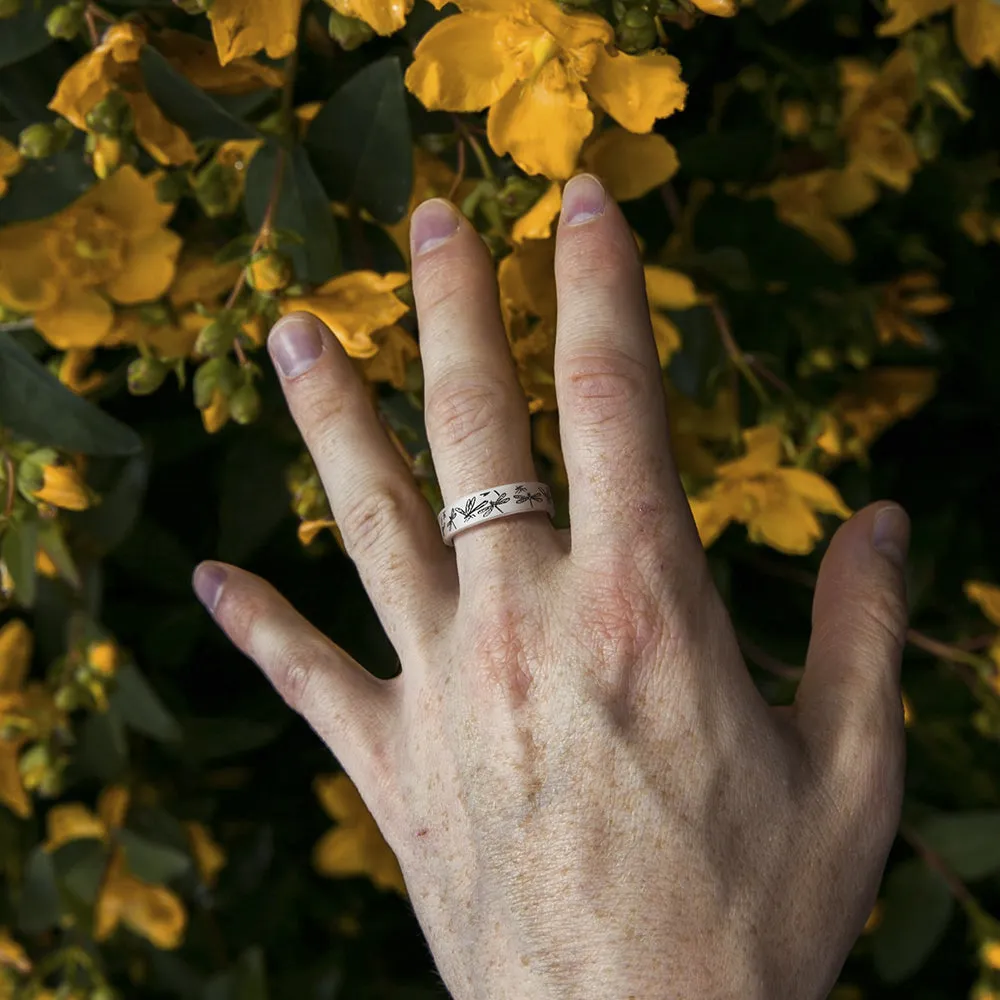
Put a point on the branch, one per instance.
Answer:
(764, 660)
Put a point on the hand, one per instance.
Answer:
(587, 795)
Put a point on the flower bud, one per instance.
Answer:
(268, 272)
(107, 156)
(112, 115)
(172, 186)
(620, 7)
(38, 141)
(244, 404)
(30, 477)
(65, 21)
(145, 376)
(636, 31)
(67, 699)
(102, 657)
(215, 340)
(518, 195)
(717, 8)
(216, 374)
(9, 8)
(348, 32)
(217, 190)
(33, 765)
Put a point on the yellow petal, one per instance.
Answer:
(460, 64)
(63, 487)
(244, 27)
(384, 17)
(74, 372)
(16, 644)
(818, 492)
(339, 852)
(987, 596)
(12, 792)
(208, 855)
(83, 319)
(711, 516)
(308, 530)
(28, 282)
(112, 805)
(396, 350)
(977, 31)
(12, 955)
(148, 269)
(86, 82)
(198, 61)
(166, 142)
(536, 223)
(354, 306)
(667, 337)
(630, 165)
(786, 524)
(669, 289)
(129, 200)
(542, 123)
(846, 193)
(906, 13)
(72, 821)
(152, 911)
(763, 453)
(215, 416)
(338, 797)
(637, 90)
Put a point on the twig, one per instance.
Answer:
(934, 861)
(459, 173)
(734, 353)
(477, 149)
(943, 650)
(88, 20)
(766, 661)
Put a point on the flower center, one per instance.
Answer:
(92, 246)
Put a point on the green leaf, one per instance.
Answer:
(80, 865)
(141, 708)
(918, 907)
(700, 355)
(303, 208)
(38, 908)
(44, 187)
(24, 34)
(227, 736)
(361, 142)
(103, 752)
(107, 524)
(969, 842)
(247, 979)
(18, 549)
(52, 543)
(34, 404)
(150, 861)
(200, 115)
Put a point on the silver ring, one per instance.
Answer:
(494, 503)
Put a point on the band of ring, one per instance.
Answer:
(494, 503)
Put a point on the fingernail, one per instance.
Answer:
(433, 223)
(891, 534)
(295, 345)
(583, 199)
(208, 581)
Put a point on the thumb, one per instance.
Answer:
(849, 704)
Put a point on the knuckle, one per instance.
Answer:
(291, 676)
(503, 634)
(463, 411)
(370, 520)
(601, 386)
(883, 620)
(443, 286)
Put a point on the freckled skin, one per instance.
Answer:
(587, 795)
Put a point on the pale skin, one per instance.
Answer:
(587, 794)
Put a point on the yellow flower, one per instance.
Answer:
(114, 66)
(902, 304)
(12, 955)
(778, 504)
(877, 102)
(74, 374)
(383, 16)
(987, 597)
(355, 846)
(244, 27)
(15, 656)
(208, 855)
(977, 25)
(396, 350)
(152, 911)
(536, 69)
(198, 61)
(667, 289)
(10, 163)
(879, 398)
(989, 951)
(814, 203)
(354, 306)
(110, 246)
(63, 487)
(696, 430)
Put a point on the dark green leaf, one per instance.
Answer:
(80, 865)
(735, 155)
(44, 187)
(18, 549)
(38, 907)
(150, 861)
(918, 907)
(303, 208)
(141, 708)
(24, 33)
(360, 142)
(700, 356)
(36, 405)
(199, 114)
(969, 842)
(103, 750)
(247, 979)
(367, 247)
(52, 543)
(107, 524)
(211, 739)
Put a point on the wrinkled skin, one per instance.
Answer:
(586, 793)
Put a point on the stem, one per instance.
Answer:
(477, 149)
(737, 357)
(934, 861)
(88, 20)
(459, 173)
(8, 464)
(766, 661)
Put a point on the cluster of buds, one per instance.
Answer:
(67, 20)
(44, 139)
(227, 387)
(111, 134)
(84, 677)
(309, 501)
